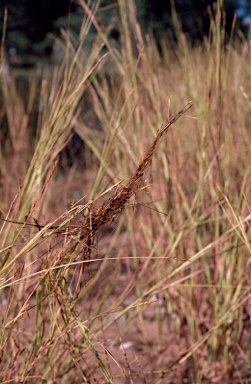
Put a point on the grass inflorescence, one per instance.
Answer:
(135, 266)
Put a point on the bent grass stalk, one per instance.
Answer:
(174, 286)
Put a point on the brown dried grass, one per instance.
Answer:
(112, 207)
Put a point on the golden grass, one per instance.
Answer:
(140, 281)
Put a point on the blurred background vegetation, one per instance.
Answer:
(33, 25)
(171, 276)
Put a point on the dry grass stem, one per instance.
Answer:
(112, 207)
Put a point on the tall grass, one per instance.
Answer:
(159, 293)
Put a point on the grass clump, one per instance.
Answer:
(145, 280)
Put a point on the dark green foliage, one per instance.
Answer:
(193, 16)
(30, 22)
(246, 8)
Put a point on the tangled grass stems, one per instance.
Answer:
(112, 207)
(87, 232)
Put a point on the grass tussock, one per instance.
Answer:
(127, 270)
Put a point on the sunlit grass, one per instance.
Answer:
(162, 293)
